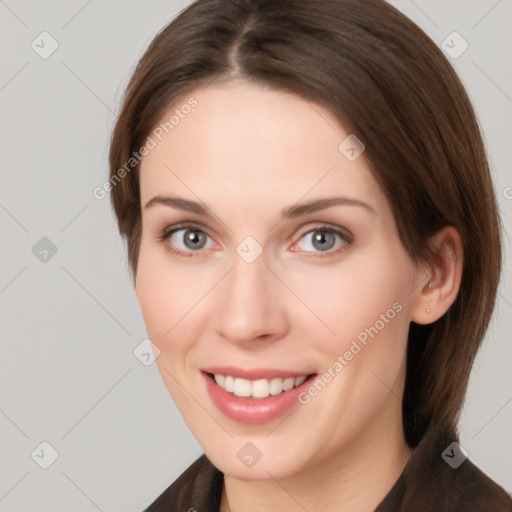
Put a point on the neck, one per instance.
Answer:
(356, 478)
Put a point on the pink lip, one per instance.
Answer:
(248, 410)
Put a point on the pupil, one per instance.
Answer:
(194, 238)
(320, 238)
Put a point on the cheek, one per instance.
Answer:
(171, 298)
(160, 300)
(362, 364)
(355, 301)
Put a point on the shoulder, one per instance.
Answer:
(475, 491)
(465, 486)
(198, 488)
(440, 477)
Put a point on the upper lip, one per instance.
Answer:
(254, 373)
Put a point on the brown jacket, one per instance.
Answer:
(434, 480)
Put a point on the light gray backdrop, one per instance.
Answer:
(70, 322)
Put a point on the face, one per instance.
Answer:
(281, 318)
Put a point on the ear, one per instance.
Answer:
(440, 282)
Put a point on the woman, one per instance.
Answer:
(315, 245)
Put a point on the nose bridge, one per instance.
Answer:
(249, 307)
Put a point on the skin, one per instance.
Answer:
(247, 152)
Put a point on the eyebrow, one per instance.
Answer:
(294, 211)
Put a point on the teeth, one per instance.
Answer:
(229, 384)
(258, 389)
(300, 380)
(276, 386)
(288, 384)
(242, 387)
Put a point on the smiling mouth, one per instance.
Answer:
(257, 389)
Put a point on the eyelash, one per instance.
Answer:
(347, 237)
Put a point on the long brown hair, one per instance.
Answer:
(388, 83)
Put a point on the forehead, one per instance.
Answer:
(242, 140)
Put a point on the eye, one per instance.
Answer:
(186, 240)
(323, 239)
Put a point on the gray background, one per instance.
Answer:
(70, 324)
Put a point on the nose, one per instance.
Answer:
(250, 304)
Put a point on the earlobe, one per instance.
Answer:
(442, 278)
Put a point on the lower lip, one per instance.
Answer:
(253, 411)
